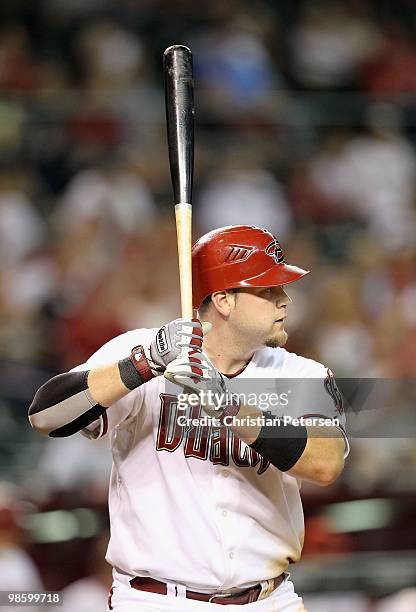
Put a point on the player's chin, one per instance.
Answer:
(278, 339)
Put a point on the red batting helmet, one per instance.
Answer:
(238, 256)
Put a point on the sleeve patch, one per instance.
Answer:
(332, 389)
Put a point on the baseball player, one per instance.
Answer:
(204, 500)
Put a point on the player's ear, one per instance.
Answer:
(223, 302)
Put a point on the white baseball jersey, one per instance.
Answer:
(196, 505)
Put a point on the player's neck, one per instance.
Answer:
(226, 353)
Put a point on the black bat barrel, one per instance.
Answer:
(179, 97)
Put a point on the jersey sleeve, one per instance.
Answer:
(129, 406)
(315, 395)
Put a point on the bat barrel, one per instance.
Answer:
(180, 119)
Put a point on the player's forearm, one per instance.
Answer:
(106, 386)
(322, 461)
(313, 453)
(246, 425)
(277, 442)
(71, 401)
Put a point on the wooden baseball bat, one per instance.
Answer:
(179, 97)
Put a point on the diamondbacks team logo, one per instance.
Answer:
(331, 388)
(275, 250)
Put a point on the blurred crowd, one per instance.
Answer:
(305, 124)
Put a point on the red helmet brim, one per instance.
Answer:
(282, 274)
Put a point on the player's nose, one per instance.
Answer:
(283, 299)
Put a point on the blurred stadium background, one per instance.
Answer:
(306, 124)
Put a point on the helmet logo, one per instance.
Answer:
(238, 253)
(275, 250)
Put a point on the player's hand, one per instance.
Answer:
(196, 374)
(179, 337)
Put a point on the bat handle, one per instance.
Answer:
(183, 215)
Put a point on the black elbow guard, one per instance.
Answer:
(281, 444)
(63, 405)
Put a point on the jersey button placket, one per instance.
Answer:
(224, 492)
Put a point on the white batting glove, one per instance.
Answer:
(196, 374)
(173, 339)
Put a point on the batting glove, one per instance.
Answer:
(179, 337)
(196, 374)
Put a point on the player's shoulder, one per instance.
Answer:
(119, 347)
(288, 364)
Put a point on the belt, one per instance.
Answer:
(243, 597)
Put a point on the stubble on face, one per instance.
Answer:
(277, 340)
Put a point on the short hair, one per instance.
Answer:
(204, 305)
